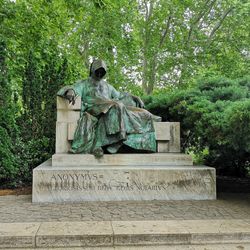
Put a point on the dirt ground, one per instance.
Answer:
(17, 191)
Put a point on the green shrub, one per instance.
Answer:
(8, 162)
(30, 154)
(27, 121)
(215, 119)
(8, 128)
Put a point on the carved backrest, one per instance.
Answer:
(167, 133)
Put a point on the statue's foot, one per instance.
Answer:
(98, 152)
(71, 151)
(113, 148)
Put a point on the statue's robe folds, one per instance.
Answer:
(110, 118)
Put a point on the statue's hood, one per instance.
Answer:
(97, 64)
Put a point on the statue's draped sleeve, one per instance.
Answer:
(84, 135)
(116, 95)
(125, 98)
(77, 88)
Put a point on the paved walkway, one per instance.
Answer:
(227, 206)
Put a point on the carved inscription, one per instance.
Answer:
(85, 181)
(88, 181)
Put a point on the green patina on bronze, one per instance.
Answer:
(109, 118)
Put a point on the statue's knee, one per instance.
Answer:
(118, 105)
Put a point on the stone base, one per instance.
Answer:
(117, 183)
(116, 160)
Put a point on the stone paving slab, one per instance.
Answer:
(218, 231)
(176, 247)
(18, 234)
(150, 232)
(183, 247)
(123, 233)
(227, 206)
(181, 232)
(64, 234)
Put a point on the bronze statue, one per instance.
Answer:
(109, 119)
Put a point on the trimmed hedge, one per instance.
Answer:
(215, 121)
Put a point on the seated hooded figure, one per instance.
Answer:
(109, 119)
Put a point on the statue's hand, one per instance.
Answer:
(70, 96)
(138, 101)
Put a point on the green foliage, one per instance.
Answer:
(157, 43)
(8, 163)
(215, 118)
(150, 46)
(29, 154)
(32, 70)
(8, 129)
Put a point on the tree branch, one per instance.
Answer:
(219, 23)
(166, 31)
(217, 26)
(146, 8)
(200, 15)
(150, 9)
(208, 12)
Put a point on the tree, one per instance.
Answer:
(8, 128)
(182, 39)
(149, 46)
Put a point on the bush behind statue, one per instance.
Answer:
(28, 116)
(215, 119)
(214, 116)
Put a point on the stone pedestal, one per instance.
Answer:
(74, 178)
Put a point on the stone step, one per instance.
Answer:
(226, 246)
(126, 234)
(154, 159)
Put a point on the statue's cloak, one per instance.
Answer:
(109, 118)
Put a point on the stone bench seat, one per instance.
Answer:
(167, 133)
